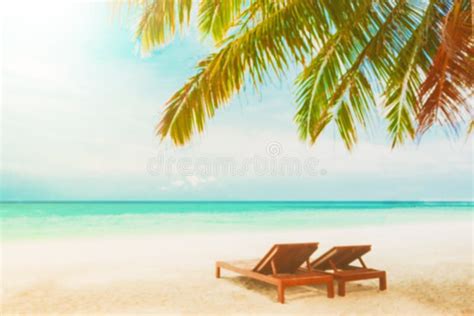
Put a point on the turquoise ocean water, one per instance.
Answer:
(45, 220)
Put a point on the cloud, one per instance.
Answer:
(188, 182)
(194, 180)
(178, 183)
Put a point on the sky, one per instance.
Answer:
(79, 104)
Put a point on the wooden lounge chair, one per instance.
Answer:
(338, 260)
(280, 267)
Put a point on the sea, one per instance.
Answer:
(91, 219)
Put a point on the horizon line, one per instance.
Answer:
(235, 201)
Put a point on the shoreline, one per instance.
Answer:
(389, 219)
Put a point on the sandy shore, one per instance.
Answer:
(430, 271)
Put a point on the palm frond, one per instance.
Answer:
(159, 21)
(217, 16)
(450, 81)
(401, 92)
(470, 129)
(416, 54)
(340, 82)
(268, 46)
(316, 81)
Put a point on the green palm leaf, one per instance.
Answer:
(159, 19)
(268, 46)
(216, 17)
(401, 92)
(409, 52)
(342, 89)
(317, 80)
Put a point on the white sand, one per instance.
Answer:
(429, 266)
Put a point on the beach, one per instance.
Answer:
(166, 157)
(429, 267)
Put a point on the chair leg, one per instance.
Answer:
(218, 271)
(330, 289)
(341, 288)
(281, 293)
(383, 282)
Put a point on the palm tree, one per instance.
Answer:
(410, 60)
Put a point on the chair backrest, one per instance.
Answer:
(286, 258)
(340, 257)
